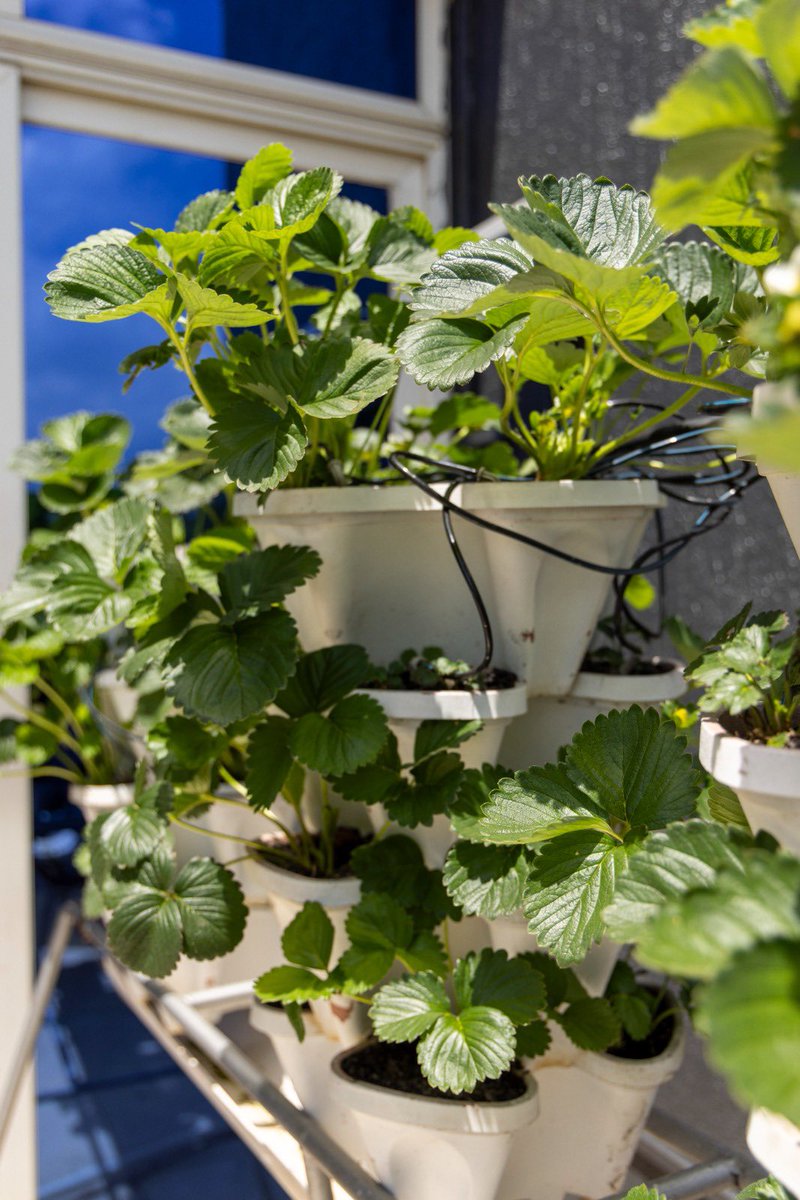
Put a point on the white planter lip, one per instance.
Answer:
(631, 689)
(639, 1073)
(330, 893)
(106, 797)
(452, 1116)
(371, 498)
(446, 705)
(771, 770)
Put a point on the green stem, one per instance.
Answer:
(180, 345)
(286, 307)
(695, 381)
(44, 773)
(233, 782)
(60, 703)
(650, 423)
(35, 718)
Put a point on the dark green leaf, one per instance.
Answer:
(591, 1024)
(324, 677)
(308, 939)
(349, 736)
(251, 583)
(269, 760)
(255, 444)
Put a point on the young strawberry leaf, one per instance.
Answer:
(307, 940)
(462, 1049)
(347, 737)
(292, 985)
(404, 1010)
(591, 1024)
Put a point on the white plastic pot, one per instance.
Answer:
(765, 778)
(406, 710)
(775, 1142)
(593, 1110)
(512, 935)
(115, 698)
(306, 1068)
(552, 721)
(785, 485)
(426, 1149)
(341, 1018)
(389, 581)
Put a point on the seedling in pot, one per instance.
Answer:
(751, 677)
(431, 670)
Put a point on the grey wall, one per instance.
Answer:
(570, 76)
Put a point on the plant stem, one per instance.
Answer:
(698, 382)
(60, 703)
(45, 773)
(180, 345)
(286, 307)
(650, 423)
(233, 782)
(35, 718)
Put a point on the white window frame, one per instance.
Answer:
(90, 83)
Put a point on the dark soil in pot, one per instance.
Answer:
(741, 727)
(648, 666)
(656, 1041)
(395, 1068)
(345, 841)
(495, 679)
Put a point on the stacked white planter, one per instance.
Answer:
(427, 1149)
(389, 582)
(552, 721)
(775, 1142)
(765, 778)
(406, 710)
(115, 698)
(593, 1108)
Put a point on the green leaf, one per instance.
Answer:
(308, 938)
(729, 24)
(746, 243)
(349, 736)
(426, 953)
(701, 275)
(340, 376)
(324, 677)
(491, 979)
(539, 804)
(465, 410)
(260, 173)
(590, 1024)
(533, 1039)
(433, 736)
(720, 90)
(643, 1192)
(298, 200)
(572, 881)
(402, 1011)
(474, 789)
(269, 760)
(132, 832)
(204, 212)
(255, 445)
(188, 422)
(393, 865)
(442, 353)
(379, 930)
(81, 444)
(202, 913)
(113, 536)
(291, 985)
(765, 1189)
(671, 862)
(486, 881)
(461, 1050)
(225, 673)
(725, 806)
(82, 605)
(429, 791)
(105, 283)
(752, 1014)
(778, 25)
(696, 936)
(396, 254)
(205, 307)
(252, 583)
(703, 179)
(634, 1014)
(464, 282)
(633, 765)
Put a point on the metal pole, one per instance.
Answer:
(49, 969)
(693, 1183)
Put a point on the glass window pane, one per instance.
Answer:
(357, 42)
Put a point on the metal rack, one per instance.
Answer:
(230, 1067)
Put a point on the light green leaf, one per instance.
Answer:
(464, 282)
(731, 23)
(765, 1189)
(105, 283)
(402, 1011)
(752, 1014)
(442, 353)
(204, 307)
(252, 583)
(486, 881)
(291, 985)
(720, 90)
(225, 673)
(204, 212)
(82, 605)
(188, 422)
(698, 935)
(260, 173)
(572, 882)
(634, 766)
(699, 272)
(700, 181)
(307, 940)
(751, 244)
(348, 737)
(537, 805)
(113, 536)
(341, 376)
(778, 24)
(672, 861)
(461, 1050)
(294, 204)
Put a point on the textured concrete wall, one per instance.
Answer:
(573, 73)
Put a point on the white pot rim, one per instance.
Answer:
(106, 796)
(771, 770)
(446, 705)
(632, 689)
(522, 495)
(638, 1073)
(452, 1116)
(330, 893)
